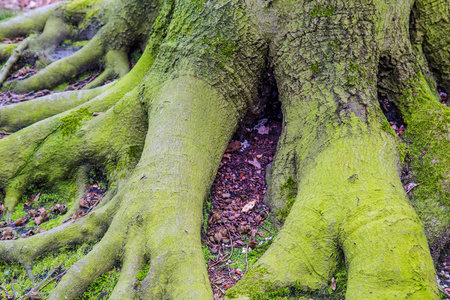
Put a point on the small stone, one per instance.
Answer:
(219, 282)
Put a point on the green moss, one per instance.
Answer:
(207, 254)
(78, 5)
(72, 121)
(322, 11)
(102, 286)
(258, 288)
(288, 192)
(315, 67)
(220, 48)
(143, 273)
(387, 128)
(350, 80)
(79, 44)
(13, 274)
(61, 87)
(6, 13)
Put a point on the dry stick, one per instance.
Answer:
(266, 229)
(229, 234)
(12, 60)
(53, 279)
(246, 259)
(37, 287)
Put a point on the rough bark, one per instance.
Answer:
(180, 106)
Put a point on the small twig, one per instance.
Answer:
(266, 229)
(229, 234)
(37, 287)
(53, 279)
(443, 292)
(6, 291)
(246, 258)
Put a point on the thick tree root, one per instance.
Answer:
(13, 118)
(61, 70)
(99, 47)
(27, 23)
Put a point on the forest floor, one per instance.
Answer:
(237, 228)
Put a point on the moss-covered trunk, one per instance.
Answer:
(166, 124)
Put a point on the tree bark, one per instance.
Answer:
(180, 106)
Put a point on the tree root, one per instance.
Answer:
(82, 186)
(134, 260)
(99, 47)
(61, 70)
(117, 65)
(12, 60)
(27, 23)
(100, 260)
(12, 117)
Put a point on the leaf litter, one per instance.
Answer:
(236, 222)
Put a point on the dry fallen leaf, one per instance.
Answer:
(255, 163)
(249, 206)
(18, 222)
(333, 284)
(233, 146)
(84, 203)
(36, 198)
(263, 130)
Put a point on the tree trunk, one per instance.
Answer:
(168, 121)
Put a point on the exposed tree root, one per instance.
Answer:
(27, 23)
(12, 60)
(12, 117)
(117, 65)
(82, 186)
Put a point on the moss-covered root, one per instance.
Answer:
(357, 204)
(61, 70)
(27, 23)
(172, 179)
(428, 150)
(12, 60)
(55, 31)
(432, 24)
(134, 260)
(92, 226)
(82, 186)
(6, 50)
(117, 64)
(100, 260)
(13, 118)
(13, 193)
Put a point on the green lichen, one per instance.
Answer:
(288, 192)
(322, 11)
(72, 122)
